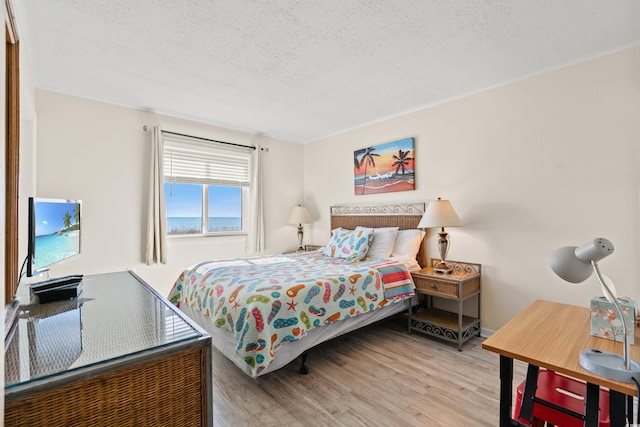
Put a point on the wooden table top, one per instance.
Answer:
(551, 335)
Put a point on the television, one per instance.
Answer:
(54, 232)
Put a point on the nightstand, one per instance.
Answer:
(459, 285)
(306, 248)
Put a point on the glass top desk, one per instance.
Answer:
(117, 324)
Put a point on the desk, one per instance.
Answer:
(551, 335)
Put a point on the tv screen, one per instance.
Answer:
(54, 232)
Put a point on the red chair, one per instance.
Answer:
(565, 392)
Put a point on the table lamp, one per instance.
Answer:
(299, 215)
(440, 214)
(575, 265)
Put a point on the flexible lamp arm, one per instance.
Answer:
(575, 265)
(612, 297)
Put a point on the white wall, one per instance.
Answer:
(550, 161)
(99, 153)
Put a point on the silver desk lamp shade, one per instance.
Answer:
(575, 265)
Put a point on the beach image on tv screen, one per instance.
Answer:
(57, 232)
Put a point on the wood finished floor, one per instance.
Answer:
(377, 376)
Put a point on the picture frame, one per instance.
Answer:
(385, 168)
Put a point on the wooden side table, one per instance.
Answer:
(459, 285)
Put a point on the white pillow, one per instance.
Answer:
(411, 264)
(407, 245)
(384, 239)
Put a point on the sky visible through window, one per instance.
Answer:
(185, 200)
(184, 208)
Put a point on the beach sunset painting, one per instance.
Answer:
(384, 168)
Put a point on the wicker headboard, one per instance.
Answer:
(402, 215)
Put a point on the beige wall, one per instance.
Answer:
(550, 161)
(99, 153)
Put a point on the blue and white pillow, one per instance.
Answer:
(349, 244)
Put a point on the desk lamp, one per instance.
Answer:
(299, 215)
(441, 214)
(575, 265)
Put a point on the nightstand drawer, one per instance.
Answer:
(442, 287)
(436, 286)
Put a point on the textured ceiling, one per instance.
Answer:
(303, 70)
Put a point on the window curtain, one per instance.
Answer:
(255, 236)
(156, 216)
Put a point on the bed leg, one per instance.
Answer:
(304, 369)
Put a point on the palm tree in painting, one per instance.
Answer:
(76, 213)
(67, 220)
(368, 159)
(402, 160)
(356, 160)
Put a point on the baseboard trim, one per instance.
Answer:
(486, 333)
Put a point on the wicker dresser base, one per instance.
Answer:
(119, 355)
(141, 395)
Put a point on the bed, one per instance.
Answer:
(263, 312)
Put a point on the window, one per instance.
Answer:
(206, 186)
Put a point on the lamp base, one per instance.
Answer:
(442, 267)
(609, 365)
(300, 248)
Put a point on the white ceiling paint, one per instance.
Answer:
(302, 70)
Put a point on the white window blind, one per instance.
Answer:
(192, 161)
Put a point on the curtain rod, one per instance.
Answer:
(253, 147)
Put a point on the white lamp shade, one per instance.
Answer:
(299, 215)
(573, 264)
(439, 213)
